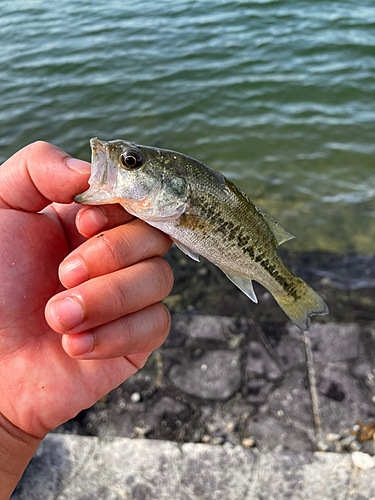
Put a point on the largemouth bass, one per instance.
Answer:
(205, 214)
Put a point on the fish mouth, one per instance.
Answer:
(103, 176)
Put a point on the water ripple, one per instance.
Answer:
(278, 95)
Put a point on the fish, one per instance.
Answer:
(205, 214)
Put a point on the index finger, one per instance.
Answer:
(112, 250)
(39, 174)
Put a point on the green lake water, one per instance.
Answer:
(277, 95)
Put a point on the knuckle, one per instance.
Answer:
(111, 251)
(38, 147)
(164, 320)
(119, 293)
(126, 335)
(160, 324)
(165, 273)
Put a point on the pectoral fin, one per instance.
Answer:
(245, 285)
(186, 250)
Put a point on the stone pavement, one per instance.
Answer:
(223, 411)
(219, 379)
(70, 467)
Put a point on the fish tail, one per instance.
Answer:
(301, 304)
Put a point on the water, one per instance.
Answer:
(278, 95)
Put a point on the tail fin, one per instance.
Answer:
(308, 303)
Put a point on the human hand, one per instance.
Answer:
(62, 350)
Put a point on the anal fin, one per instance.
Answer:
(245, 285)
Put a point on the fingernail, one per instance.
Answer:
(92, 219)
(72, 272)
(78, 344)
(78, 166)
(67, 313)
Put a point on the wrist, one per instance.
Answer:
(16, 450)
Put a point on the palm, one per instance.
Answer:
(43, 376)
(48, 377)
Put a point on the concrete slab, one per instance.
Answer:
(68, 467)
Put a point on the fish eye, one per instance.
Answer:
(131, 159)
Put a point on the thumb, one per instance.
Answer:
(39, 174)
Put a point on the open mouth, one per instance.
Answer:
(100, 190)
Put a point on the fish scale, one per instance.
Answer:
(205, 214)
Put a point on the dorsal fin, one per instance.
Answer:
(281, 234)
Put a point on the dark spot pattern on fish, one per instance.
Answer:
(234, 233)
(193, 222)
(249, 250)
(286, 284)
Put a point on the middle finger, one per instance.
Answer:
(109, 297)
